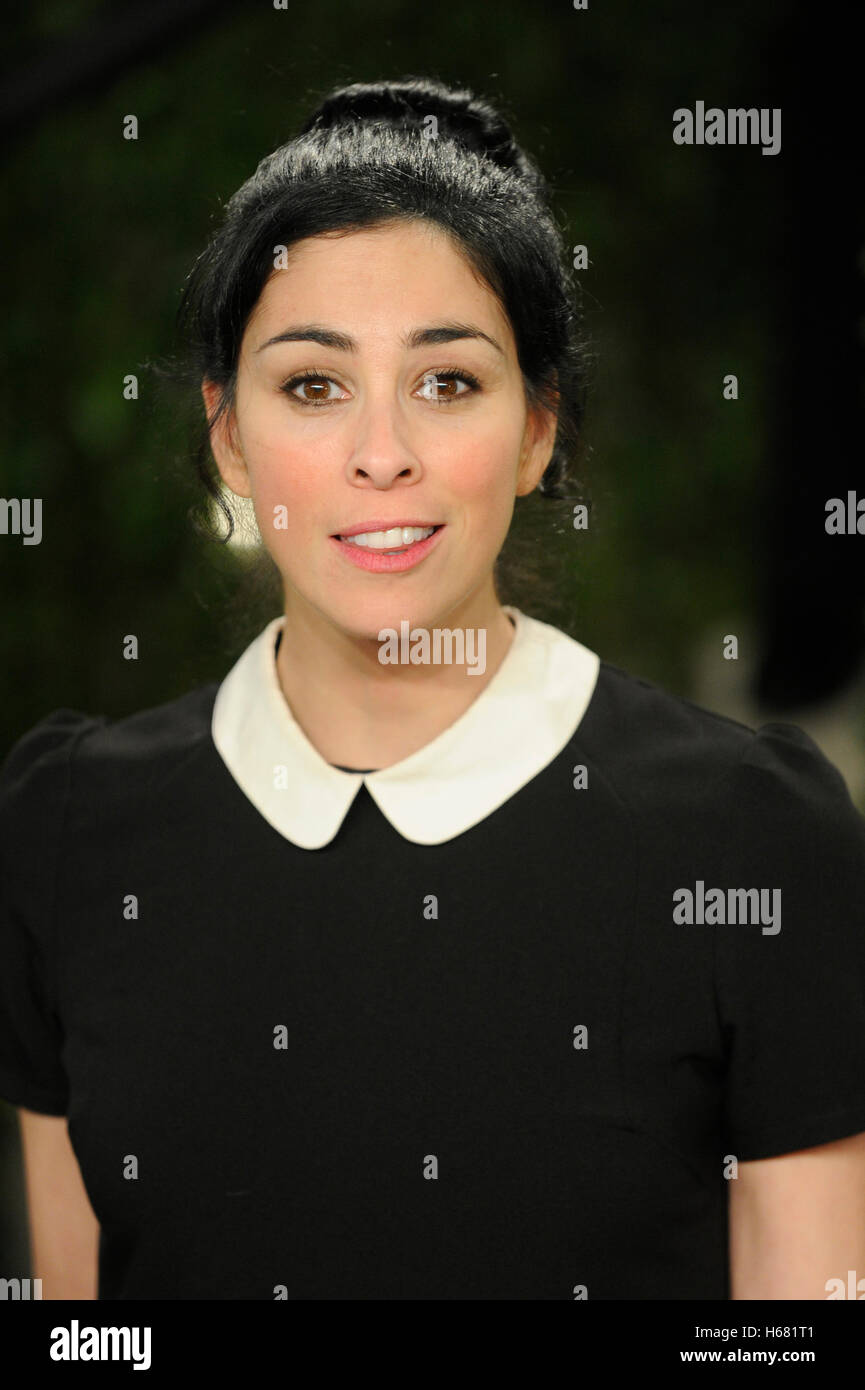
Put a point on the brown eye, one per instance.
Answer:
(310, 389)
(316, 390)
(445, 386)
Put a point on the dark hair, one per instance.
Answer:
(377, 152)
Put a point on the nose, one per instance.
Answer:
(382, 451)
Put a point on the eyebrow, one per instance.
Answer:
(418, 337)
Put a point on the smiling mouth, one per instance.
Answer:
(393, 541)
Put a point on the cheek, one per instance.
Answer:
(483, 467)
(286, 471)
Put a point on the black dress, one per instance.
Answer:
(494, 1023)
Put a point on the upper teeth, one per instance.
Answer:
(385, 540)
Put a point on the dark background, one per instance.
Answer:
(708, 515)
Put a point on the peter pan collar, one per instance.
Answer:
(517, 725)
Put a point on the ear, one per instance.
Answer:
(538, 441)
(223, 442)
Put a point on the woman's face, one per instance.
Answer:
(378, 386)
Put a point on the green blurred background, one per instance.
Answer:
(100, 233)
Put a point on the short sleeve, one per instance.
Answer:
(34, 787)
(791, 984)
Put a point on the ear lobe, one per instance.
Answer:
(223, 443)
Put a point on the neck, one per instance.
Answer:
(359, 712)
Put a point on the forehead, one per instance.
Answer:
(388, 277)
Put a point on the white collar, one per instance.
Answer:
(517, 725)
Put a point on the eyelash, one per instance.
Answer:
(448, 374)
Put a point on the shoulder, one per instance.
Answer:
(659, 747)
(35, 771)
(70, 748)
(648, 722)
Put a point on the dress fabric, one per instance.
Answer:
(481, 1040)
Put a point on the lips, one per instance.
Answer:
(382, 524)
(391, 561)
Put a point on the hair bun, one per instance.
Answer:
(463, 117)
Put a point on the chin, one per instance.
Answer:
(367, 618)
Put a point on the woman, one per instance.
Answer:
(392, 967)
